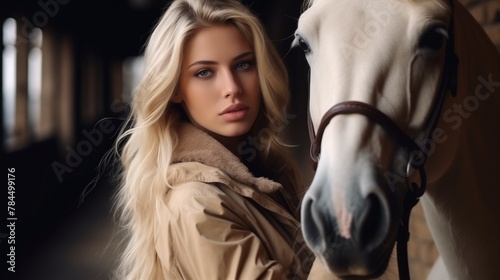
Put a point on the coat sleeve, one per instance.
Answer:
(207, 238)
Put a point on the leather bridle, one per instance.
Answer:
(416, 154)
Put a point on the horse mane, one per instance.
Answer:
(478, 84)
(479, 62)
(307, 4)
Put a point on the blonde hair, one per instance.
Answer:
(150, 137)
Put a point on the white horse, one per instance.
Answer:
(395, 59)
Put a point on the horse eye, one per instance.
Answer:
(433, 38)
(304, 46)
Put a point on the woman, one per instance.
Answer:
(209, 191)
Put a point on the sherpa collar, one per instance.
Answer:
(195, 145)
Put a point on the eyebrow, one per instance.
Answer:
(209, 62)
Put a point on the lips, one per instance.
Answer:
(234, 112)
(234, 108)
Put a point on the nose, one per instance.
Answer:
(230, 84)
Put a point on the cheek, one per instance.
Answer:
(251, 84)
(197, 93)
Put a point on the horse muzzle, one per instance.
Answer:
(356, 245)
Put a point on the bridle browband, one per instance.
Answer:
(416, 154)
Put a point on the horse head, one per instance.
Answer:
(377, 78)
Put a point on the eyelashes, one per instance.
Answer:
(207, 72)
(203, 73)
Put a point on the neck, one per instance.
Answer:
(231, 143)
(234, 145)
(462, 211)
(461, 203)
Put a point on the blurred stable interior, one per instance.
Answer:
(68, 68)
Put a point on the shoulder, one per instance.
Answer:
(202, 210)
(188, 194)
(197, 199)
(186, 172)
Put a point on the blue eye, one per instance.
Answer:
(242, 65)
(203, 73)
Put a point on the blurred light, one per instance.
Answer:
(9, 76)
(132, 69)
(35, 80)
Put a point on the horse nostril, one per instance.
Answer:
(308, 222)
(314, 224)
(372, 222)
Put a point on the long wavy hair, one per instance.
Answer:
(149, 137)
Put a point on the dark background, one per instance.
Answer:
(64, 228)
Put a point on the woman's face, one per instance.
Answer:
(219, 85)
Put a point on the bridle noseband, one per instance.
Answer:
(375, 115)
(416, 154)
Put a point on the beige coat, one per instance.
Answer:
(220, 222)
